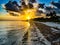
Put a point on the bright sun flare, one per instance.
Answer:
(29, 13)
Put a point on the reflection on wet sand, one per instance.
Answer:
(12, 32)
(21, 33)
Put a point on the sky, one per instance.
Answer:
(47, 2)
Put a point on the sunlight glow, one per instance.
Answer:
(29, 13)
(28, 17)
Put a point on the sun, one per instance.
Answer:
(28, 18)
(29, 13)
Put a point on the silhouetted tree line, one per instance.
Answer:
(52, 14)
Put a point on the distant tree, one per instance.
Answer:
(51, 14)
(54, 13)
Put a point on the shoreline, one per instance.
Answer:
(48, 33)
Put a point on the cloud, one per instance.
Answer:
(3, 5)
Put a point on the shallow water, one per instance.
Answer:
(20, 33)
(11, 32)
(52, 24)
